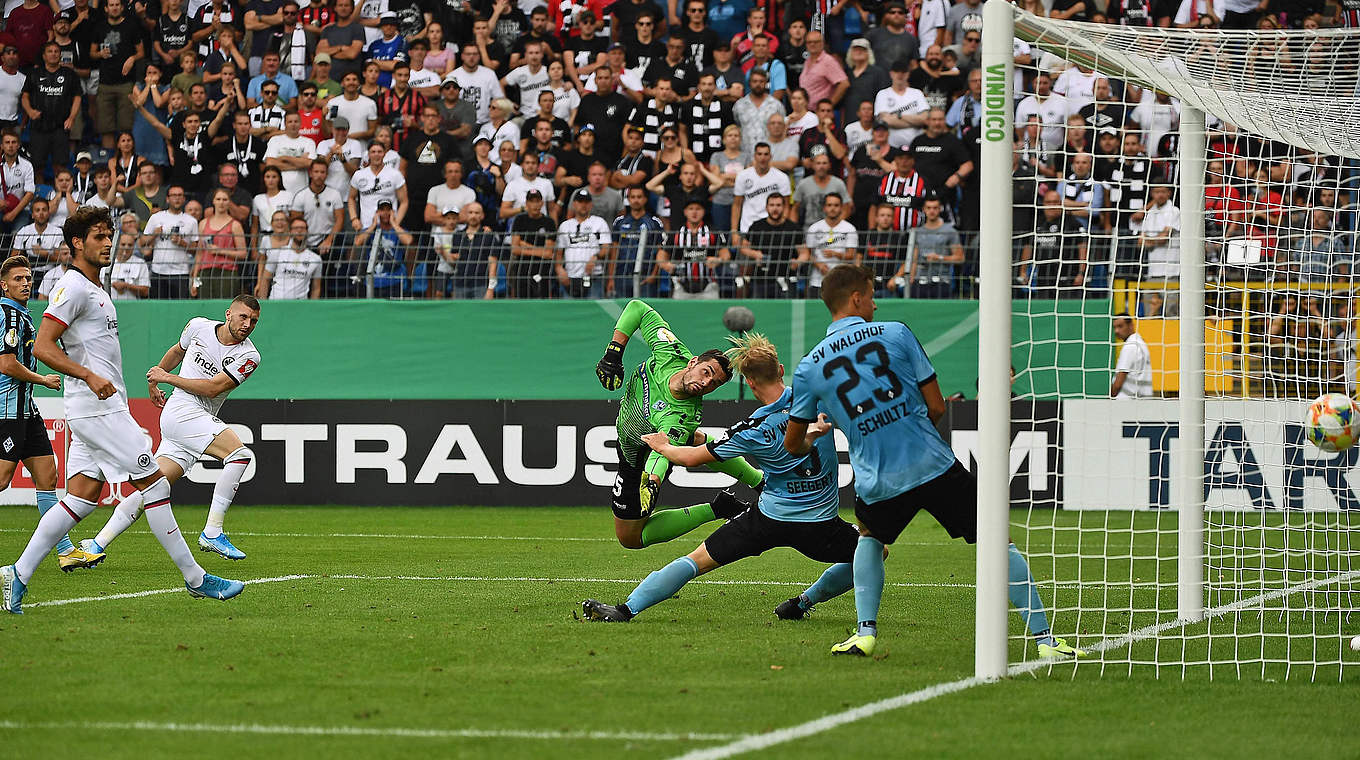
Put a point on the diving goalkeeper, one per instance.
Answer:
(664, 394)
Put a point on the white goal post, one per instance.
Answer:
(1205, 582)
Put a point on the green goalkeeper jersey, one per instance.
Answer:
(648, 406)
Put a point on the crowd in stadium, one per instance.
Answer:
(495, 148)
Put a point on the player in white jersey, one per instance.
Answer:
(105, 440)
(213, 357)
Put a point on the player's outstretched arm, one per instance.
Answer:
(213, 386)
(610, 367)
(685, 456)
(47, 351)
(800, 435)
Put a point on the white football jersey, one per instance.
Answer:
(204, 357)
(91, 340)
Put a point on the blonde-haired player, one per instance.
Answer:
(214, 357)
(798, 507)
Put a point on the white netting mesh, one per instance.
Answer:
(1096, 193)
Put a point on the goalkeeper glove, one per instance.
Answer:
(610, 368)
(647, 494)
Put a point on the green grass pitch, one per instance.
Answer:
(455, 634)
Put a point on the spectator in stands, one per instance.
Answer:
(513, 201)
(730, 79)
(793, 47)
(172, 36)
(1319, 255)
(726, 17)
(968, 53)
(865, 77)
(223, 248)
(637, 235)
(285, 86)
(291, 154)
(63, 197)
(54, 275)
(391, 252)
(297, 44)
(894, 40)
(500, 128)
(704, 117)
(885, 252)
(655, 114)
(678, 184)
(605, 200)
(941, 159)
(902, 107)
(452, 194)
(387, 50)
(603, 109)
(831, 241)
(1156, 116)
(634, 167)
(540, 31)
(175, 237)
(312, 115)
(783, 147)
(769, 248)
(29, 24)
(129, 277)
(936, 81)
(40, 241)
(935, 255)
(51, 99)
(753, 112)
(699, 39)
(1083, 196)
(762, 60)
(193, 159)
(903, 189)
(270, 199)
(694, 256)
(533, 237)
(292, 271)
(583, 245)
(753, 185)
(585, 51)
(1052, 110)
(1158, 228)
(743, 43)
(374, 183)
(641, 47)
(529, 78)
(267, 118)
(561, 102)
(1053, 256)
(399, 106)
(323, 80)
(316, 15)
(1223, 205)
(728, 165)
(476, 253)
(147, 196)
(810, 194)
(823, 77)
(343, 41)
(676, 67)
(359, 111)
(320, 206)
(116, 46)
(218, 58)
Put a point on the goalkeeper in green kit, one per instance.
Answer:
(664, 395)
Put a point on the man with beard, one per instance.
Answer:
(422, 159)
(606, 109)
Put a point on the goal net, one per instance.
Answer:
(1184, 208)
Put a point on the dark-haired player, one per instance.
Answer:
(664, 394)
(105, 439)
(214, 357)
(23, 437)
(797, 508)
(876, 382)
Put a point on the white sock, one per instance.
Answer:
(124, 515)
(161, 519)
(233, 469)
(56, 523)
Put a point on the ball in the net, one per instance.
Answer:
(1332, 422)
(739, 319)
(1355, 644)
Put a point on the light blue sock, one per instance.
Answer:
(837, 580)
(868, 575)
(1024, 596)
(662, 584)
(47, 500)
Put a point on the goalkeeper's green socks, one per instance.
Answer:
(738, 468)
(674, 523)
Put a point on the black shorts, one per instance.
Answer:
(21, 439)
(951, 498)
(627, 502)
(753, 532)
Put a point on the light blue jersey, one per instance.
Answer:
(797, 489)
(867, 376)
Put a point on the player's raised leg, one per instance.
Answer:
(124, 514)
(236, 458)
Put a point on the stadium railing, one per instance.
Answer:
(649, 264)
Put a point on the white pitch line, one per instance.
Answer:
(757, 742)
(454, 579)
(405, 733)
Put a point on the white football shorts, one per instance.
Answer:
(110, 447)
(186, 434)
